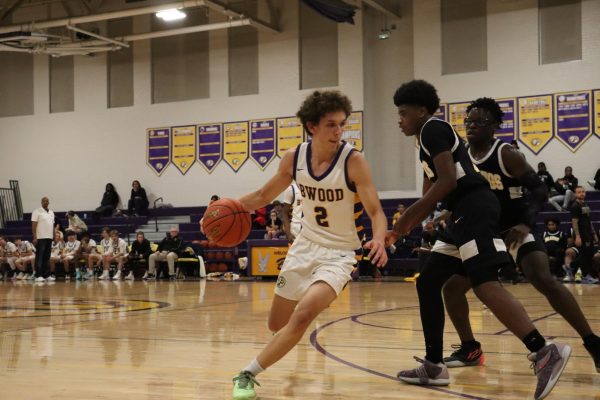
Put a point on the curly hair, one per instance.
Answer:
(490, 105)
(418, 92)
(317, 104)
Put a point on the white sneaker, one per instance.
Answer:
(51, 278)
(104, 276)
(40, 279)
(117, 276)
(145, 276)
(26, 277)
(130, 276)
(20, 276)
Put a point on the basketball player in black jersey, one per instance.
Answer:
(508, 173)
(472, 246)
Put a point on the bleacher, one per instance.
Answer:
(189, 231)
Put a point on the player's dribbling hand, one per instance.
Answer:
(377, 255)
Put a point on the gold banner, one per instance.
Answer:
(290, 134)
(457, 112)
(535, 122)
(184, 147)
(235, 144)
(353, 130)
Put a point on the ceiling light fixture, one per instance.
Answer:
(172, 14)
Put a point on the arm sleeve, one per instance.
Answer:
(34, 216)
(437, 137)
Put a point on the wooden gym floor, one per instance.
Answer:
(185, 340)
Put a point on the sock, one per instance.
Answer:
(534, 341)
(470, 344)
(591, 339)
(254, 368)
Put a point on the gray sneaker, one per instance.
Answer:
(426, 374)
(548, 364)
(589, 279)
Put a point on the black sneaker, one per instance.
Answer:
(464, 357)
(173, 277)
(594, 350)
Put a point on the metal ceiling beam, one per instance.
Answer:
(10, 9)
(379, 7)
(132, 12)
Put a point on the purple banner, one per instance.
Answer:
(573, 118)
(158, 149)
(507, 131)
(210, 145)
(442, 112)
(262, 141)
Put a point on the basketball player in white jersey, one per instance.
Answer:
(329, 174)
(292, 205)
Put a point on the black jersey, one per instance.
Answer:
(555, 240)
(436, 137)
(506, 187)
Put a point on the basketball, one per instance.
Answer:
(226, 222)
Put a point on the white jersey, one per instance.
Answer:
(328, 201)
(119, 247)
(25, 247)
(106, 247)
(293, 197)
(57, 248)
(71, 247)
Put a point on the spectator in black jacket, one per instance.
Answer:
(138, 201)
(565, 187)
(546, 177)
(596, 182)
(110, 200)
(168, 250)
(140, 251)
(556, 245)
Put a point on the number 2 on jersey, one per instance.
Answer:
(321, 216)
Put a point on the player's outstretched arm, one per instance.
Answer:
(277, 184)
(537, 192)
(360, 174)
(446, 183)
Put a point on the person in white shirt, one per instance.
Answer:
(69, 254)
(119, 255)
(42, 227)
(87, 247)
(26, 255)
(58, 245)
(106, 250)
(76, 224)
(8, 255)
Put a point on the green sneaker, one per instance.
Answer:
(243, 386)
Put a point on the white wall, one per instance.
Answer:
(71, 156)
(514, 70)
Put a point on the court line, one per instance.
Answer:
(534, 320)
(315, 342)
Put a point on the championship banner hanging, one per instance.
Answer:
(507, 131)
(353, 130)
(597, 112)
(183, 153)
(442, 112)
(158, 149)
(262, 141)
(573, 118)
(535, 122)
(235, 144)
(290, 134)
(457, 112)
(210, 145)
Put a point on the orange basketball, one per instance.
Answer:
(226, 222)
